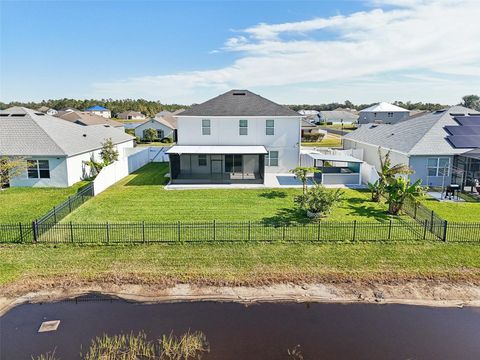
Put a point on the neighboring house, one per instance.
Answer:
(165, 126)
(131, 115)
(56, 150)
(48, 110)
(308, 128)
(346, 117)
(100, 111)
(89, 119)
(310, 115)
(383, 113)
(235, 137)
(427, 144)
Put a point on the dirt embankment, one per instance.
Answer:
(418, 292)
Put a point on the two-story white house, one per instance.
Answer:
(235, 137)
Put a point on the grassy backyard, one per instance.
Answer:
(455, 211)
(27, 204)
(328, 141)
(27, 267)
(141, 197)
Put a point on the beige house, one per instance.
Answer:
(131, 115)
(89, 119)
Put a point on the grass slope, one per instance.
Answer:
(27, 204)
(29, 266)
(141, 197)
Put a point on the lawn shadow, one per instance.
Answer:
(273, 194)
(365, 210)
(287, 216)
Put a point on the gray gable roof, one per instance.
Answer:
(238, 103)
(424, 135)
(25, 132)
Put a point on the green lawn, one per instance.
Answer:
(329, 141)
(141, 197)
(27, 204)
(455, 211)
(28, 267)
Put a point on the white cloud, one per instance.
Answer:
(434, 37)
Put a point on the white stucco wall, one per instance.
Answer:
(152, 124)
(225, 131)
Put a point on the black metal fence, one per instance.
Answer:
(214, 231)
(421, 214)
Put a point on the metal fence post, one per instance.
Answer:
(35, 231)
(425, 229)
(431, 221)
(249, 229)
(69, 204)
(354, 229)
(108, 232)
(214, 230)
(390, 230)
(318, 231)
(178, 231)
(143, 231)
(284, 228)
(415, 210)
(71, 232)
(54, 215)
(21, 231)
(445, 225)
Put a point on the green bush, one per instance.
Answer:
(319, 200)
(167, 140)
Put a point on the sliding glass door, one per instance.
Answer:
(234, 163)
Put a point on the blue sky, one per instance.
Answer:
(292, 52)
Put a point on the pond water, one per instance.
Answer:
(260, 331)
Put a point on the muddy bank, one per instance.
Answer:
(428, 293)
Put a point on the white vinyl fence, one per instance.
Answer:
(116, 171)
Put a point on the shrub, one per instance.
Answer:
(329, 123)
(167, 140)
(318, 201)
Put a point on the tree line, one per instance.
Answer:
(150, 108)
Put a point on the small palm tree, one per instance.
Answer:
(399, 190)
(387, 175)
(301, 172)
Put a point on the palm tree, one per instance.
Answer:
(301, 173)
(399, 190)
(387, 174)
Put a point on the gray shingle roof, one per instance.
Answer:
(25, 132)
(424, 135)
(238, 103)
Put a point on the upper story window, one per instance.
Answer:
(206, 130)
(390, 114)
(438, 166)
(38, 169)
(243, 127)
(270, 127)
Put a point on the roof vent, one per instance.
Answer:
(4, 114)
(239, 93)
(17, 114)
(84, 135)
(39, 113)
(474, 114)
(439, 111)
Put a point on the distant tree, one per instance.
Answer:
(10, 167)
(471, 101)
(108, 153)
(150, 135)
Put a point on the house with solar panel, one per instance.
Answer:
(100, 111)
(234, 138)
(441, 147)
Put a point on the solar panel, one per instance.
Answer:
(464, 141)
(468, 120)
(463, 130)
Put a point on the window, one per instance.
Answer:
(202, 160)
(272, 158)
(270, 127)
(438, 166)
(160, 134)
(206, 127)
(390, 114)
(243, 124)
(38, 169)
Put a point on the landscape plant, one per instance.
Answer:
(301, 173)
(386, 175)
(109, 153)
(318, 201)
(399, 190)
(150, 135)
(10, 167)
